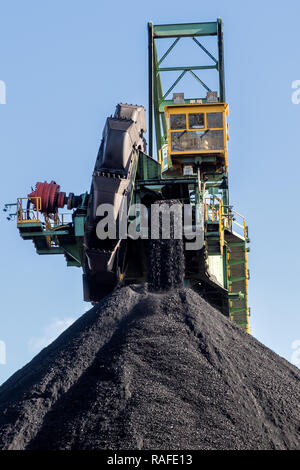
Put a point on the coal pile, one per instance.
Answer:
(152, 371)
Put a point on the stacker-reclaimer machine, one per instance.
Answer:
(185, 166)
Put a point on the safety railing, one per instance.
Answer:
(227, 218)
(56, 221)
(26, 215)
(213, 209)
(237, 223)
(214, 212)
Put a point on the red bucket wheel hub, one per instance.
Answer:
(51, 198)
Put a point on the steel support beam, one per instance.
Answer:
(150, 87)
(185, 30)
(157, 97)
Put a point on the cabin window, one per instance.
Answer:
(214, 120)
(178, 121)
(197, 140)
(196, 121)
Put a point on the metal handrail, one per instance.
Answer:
(241, 225)
(216, 213)
(21, 211)
(35, 214)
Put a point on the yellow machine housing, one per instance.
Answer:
(197, 134)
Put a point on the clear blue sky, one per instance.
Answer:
(66, 64)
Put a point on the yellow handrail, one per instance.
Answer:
(22, 212)
(215, 212)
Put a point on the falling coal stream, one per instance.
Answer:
(166, 255)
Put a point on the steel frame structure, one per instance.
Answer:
(157, 97)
